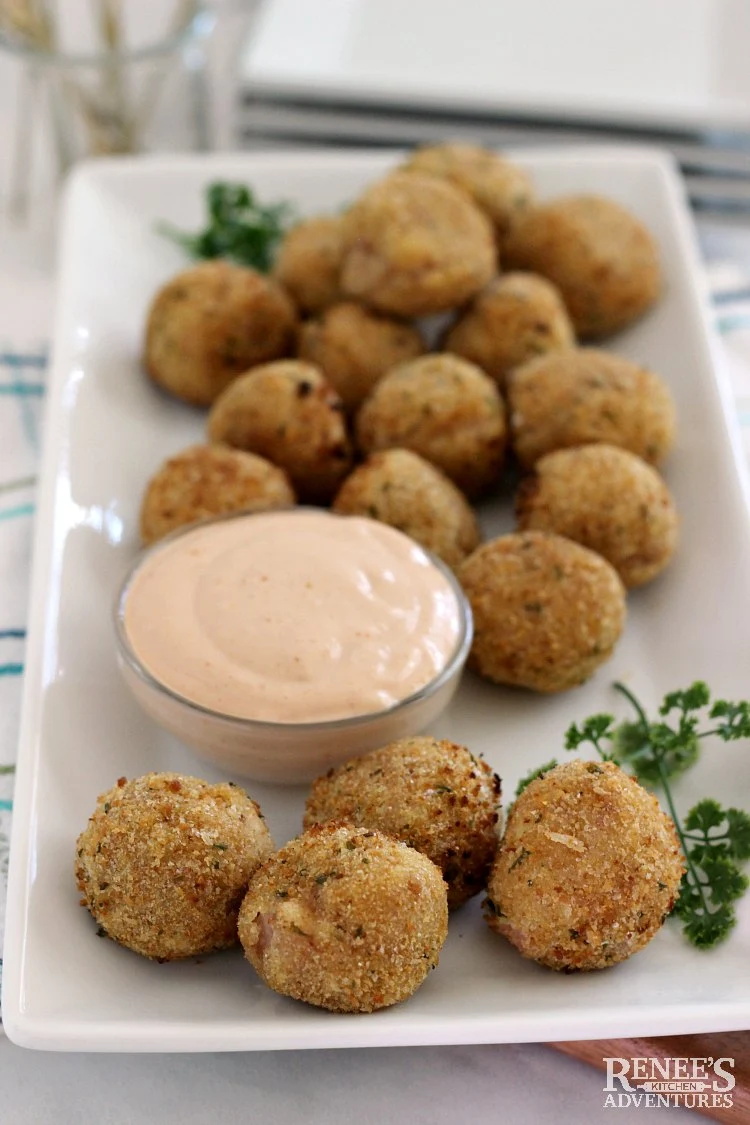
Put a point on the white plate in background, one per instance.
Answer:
(655, 63)
(107, 430)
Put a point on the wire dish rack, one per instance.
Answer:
(715, 163)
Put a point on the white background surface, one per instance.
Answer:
(524, 1084)
(520, 1085)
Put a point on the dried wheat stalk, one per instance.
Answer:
(113, 119)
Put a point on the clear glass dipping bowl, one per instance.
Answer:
(278, 752)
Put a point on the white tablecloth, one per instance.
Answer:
(526, 1083)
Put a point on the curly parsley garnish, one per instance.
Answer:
(534, 774)
(238, 228)
(714, 840)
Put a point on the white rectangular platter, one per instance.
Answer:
(108, 429)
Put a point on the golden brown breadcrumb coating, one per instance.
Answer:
(607, 499)
(433, 795)
(345, 918)
(354, 347)
(416, 245)
(517, 317)
(588, 869)
(210, 323)
(289, 413)
(600, 256)
(400, 488)
(210, 480)
(446, 410)
(583, 395)
(308, 262)
(502, 189)
(164, 862)
(547, 612)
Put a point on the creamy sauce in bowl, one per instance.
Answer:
(297, 616)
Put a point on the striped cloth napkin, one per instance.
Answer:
(22, 379)
(23, 370)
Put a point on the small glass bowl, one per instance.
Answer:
(285, 753)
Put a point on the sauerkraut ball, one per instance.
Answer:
(607, 499)
(547, 612)
(600, 256)
(289, 413)
(415, 245)
(517, 317)
(354, 347)
(445, 409)
(400, 488)
(308, 262)
(345, 918)
(585, 395)
(501, 188)
(165, 861)
(433, 795)
(588, 869)
(210, 323)
(210, 480)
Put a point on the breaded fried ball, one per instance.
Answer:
(516, 317)
(607, 499)
(600, 256)
(289, 413)
(433, 795)
(308, 262)
(547, 612)
(400, 488)
(502, 189)
(354, 347)
(210, 323)
(165, 860)
(210, 480)
(585, 395)
(416, 245)
(345, 919)
(445, 409)
(588, 869)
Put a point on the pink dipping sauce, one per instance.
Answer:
(297, 616)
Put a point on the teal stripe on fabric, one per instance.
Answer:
(11, 669)
(19, 363)
(732, 323)
(19, 510)
(24, 359)
(6, 805)
(6, 634)
(22, 389)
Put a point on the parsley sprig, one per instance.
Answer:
(238, 227)
(534, 774)
(714, 839)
